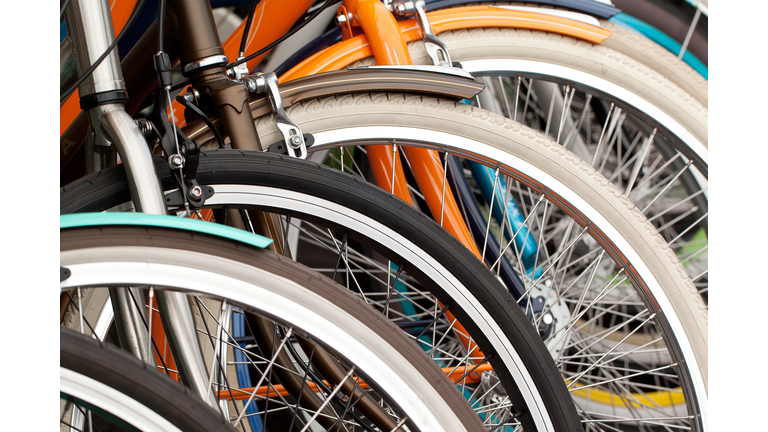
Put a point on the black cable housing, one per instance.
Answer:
(160, 22)
(201, 114)
(247, 28)
(285, 36)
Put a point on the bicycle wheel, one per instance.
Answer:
(392, 370)
(640, 48)
(642, 164)
(605, 71)
(395, 259)
(605, 107)
(569, 185)
(570, 195)
(103, 387)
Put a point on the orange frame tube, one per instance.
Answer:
(271, 20)
(357, 48)
(377, 40)
(389, 48)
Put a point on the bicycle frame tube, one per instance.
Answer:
(359, 47)
(120, 12)
(389, 48)
(377, 22)
(91, 33)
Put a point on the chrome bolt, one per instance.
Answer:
(196, 192)
(296, 139)
(176, 161)
(341, 19)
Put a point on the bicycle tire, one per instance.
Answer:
(426, 118)
(84, 360)
(258, 280)
(483, 137)
(487, 51)
(575, 55)
(645, 51)
(108, 188)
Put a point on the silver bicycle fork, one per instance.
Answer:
(102, 94)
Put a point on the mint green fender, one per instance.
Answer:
(78, 220)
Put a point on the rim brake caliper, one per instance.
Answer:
(294, 142)
(436, 49)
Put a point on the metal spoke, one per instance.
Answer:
(517, 94)
(566, 109)
(608, 288)
(264, 374)
(666, 188)
(525, 222)
(549, 112)
(328, 399)
(577, 126)
(527, 97)
(624, 377)
(394, 162)
(639, 162)
(490, 212)
(597, 363)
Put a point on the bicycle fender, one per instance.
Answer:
(383, 79)
(591, 7)
(357, 48)
(81, 220)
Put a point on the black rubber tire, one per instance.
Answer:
(114, 368)
(106, 189)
